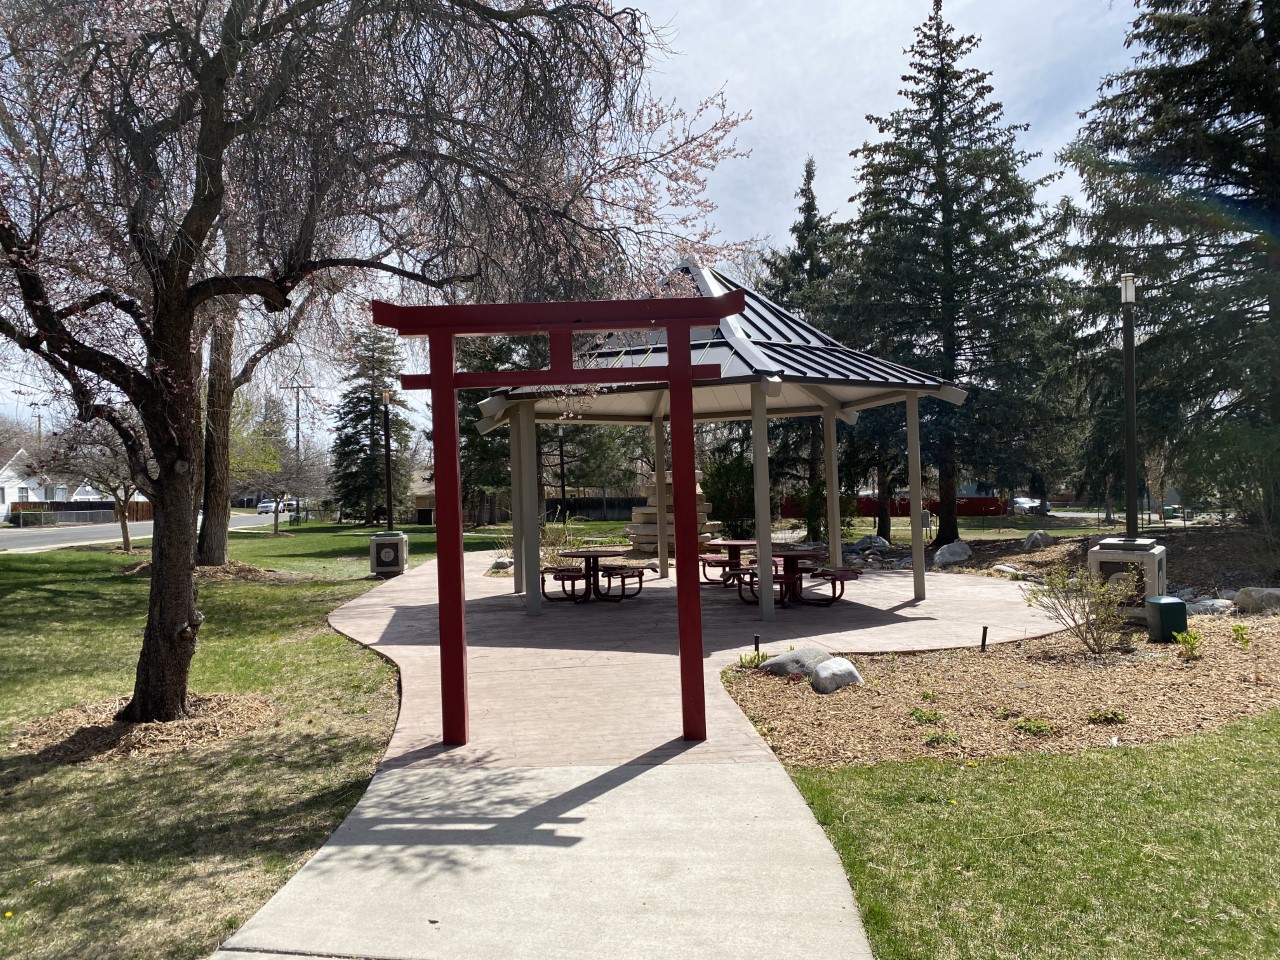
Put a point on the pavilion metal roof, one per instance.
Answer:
(806, 370)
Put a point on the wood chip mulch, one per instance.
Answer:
(233, 571)
(91, 734)
(1040, 695)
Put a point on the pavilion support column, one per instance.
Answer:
(660, 494)
(916, 504)
(831, 454)
(517, 486)
(764, 516)
(450, 572)
(529, 519)
(684, 487)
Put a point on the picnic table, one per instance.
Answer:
(590, 572)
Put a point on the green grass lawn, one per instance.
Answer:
(1169, 851)
(165, 856)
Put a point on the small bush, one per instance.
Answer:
(1107, 717)
(925, 716)
(1087, 605)
(941, 738)
(1188, 644)
(1241, 633)
(1003, 713)
(1037, 728)
(929, 697)
(753, 659)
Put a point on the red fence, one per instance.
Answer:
(965, 506)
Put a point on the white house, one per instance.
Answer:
(17, 485)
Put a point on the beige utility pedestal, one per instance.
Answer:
(1117, 556)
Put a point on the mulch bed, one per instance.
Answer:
(1062, 696)
(233, 571)
(91, 734)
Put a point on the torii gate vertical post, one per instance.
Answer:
(449, 551)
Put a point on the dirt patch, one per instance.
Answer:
(233, 571)
(1040, 695)
(91, 734)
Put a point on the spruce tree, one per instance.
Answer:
(357, 472)
(1180, 161)
(949, 237)
(798, 278)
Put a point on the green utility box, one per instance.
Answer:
(1165, 617)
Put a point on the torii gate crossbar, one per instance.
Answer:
(560, 321)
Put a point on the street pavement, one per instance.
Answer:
(38, 539)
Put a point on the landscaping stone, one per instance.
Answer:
(1227, 594)
(903, 564)
(1212, 606)
(802, 661)
(830, 675)
(871, 541)
(952, 553)
(1037, 541)
(652, 565)
(503, 563)
(1258, 599)
(1005, 569)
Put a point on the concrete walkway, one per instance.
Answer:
(577, 823)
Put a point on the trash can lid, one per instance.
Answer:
(1164, 600)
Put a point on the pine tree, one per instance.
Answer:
(799, 278)
(357, 472)
(1180, 161)
(949, 237)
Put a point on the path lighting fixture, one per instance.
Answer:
(386, 450)
(1127, 298)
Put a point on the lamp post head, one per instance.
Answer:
(386, 397)
(1127, 289)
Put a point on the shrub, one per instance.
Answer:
(941, 738)
(1241, 633)
(925, 716)
(1188, 644)
(929, 697)
(1106, 717)
(753, 659)
(1037, 728)
(1087, 605)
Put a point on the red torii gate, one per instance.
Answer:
(560, 321)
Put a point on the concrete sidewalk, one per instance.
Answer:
(576, 823)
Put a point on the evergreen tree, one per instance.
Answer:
(950, 237)
(799, 279)
(357, 474)
(1180, 160)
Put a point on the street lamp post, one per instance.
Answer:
(564, 503)
(1130, 411)
(386, 450)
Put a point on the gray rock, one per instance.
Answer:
(652, 565)
(1037, 541)
(1211, 606)
(1186, 594)
(1005, 569)
(1258, 599)
(952, 553)
(503, 563)
(830, 675)
(871, 541)
(1227, 594)
(800, 661)
(903, 564)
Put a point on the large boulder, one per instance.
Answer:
(952, 553)
(802, 661)
(1037, 541)
(1258, 599)
(830, 675)
(870, 542)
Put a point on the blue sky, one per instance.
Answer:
(810, 70)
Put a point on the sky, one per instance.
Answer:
(809, 71)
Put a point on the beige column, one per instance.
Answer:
(764, 517)
(917, 504)
(529, 519)
(660, 493)
(830, 452)
(517, 512)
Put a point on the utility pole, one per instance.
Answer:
(297, 389)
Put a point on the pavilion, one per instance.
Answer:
(772, 364)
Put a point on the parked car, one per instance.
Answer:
(1029, 505)
(266, 506)
(286, 506)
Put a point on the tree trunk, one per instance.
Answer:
(948, 519)
(173, 622)
(814, 508)
(884, 496)
(122, 507)
(211, 548)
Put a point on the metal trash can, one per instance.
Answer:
(1165, 617)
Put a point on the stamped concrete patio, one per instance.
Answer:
(576, 822)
